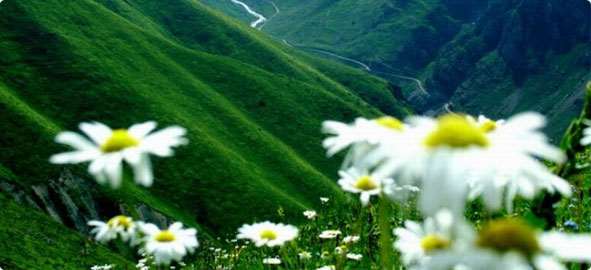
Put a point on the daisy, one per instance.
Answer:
(119, 226)
(267, 233)
(455, 157)
(329, 234)
(362, 132)
(417, 242)
(171, 244)
(310, 214)
(354, 256)
(327, 267)
(106, 149)
(305, 255)
(512, 244)
(272, 261)
(363, 183)
(351, 239)
(586, 140)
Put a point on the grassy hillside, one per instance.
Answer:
(31, 240)
(252, 107)
(477, 56)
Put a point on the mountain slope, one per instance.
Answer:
(252, 108)
(472, 56)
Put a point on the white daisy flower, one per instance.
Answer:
(363, 183)
(106, 149)
(586, 140)
(324, 200)
(454, 157)
(417, 242)
(327, 267)
(354, 256)
(310, 214)
(272, 261)
(329, 234)
(119, 226)
(305, 255)
(267, 233)
(360, 134)
(351, 239)
(512, 244)
(171, 244)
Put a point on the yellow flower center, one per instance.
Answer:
(268, 235)
(457, 132)
(121, 220)
(488, 126)
(434, 242)
(165, 236)
(365, 183)
(119, 140)
(509, 235)
(390, 122)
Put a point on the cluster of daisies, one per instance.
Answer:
(448, 162)
(107, 150)
(443, 163)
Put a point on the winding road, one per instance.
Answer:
(261, 20)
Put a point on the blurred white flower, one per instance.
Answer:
(586, 140)
(417, 242)
(329, 234)
(354, 256)
(107, 149)
(169, 245)
(119, 226)
(268, 233)
(272, 261)
(310, 214)
(455, 157)
(97, 267)
(361, 135)
(305, 255)
(512, 244)
(350, 239)
(327, 267)
(324, 199)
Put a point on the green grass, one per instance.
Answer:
(31, 240)
(253, 108)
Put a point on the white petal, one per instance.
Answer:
(568, 247)
(113, 169)
(143, 171)
(98, 132)
(139, 131)
(74, 140)
(74, 157)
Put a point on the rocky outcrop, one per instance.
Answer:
(69, 200)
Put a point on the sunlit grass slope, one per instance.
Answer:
(252, 109)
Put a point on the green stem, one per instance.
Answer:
(386, 251)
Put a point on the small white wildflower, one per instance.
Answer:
(171, 244)
(324, 199)
(327, 267)
(351, 239)
(305, 255)
(354, 256)
(329, 234)
(267, 233)
(272, 261)
(310, 214)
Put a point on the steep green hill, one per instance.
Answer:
(252, 107)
